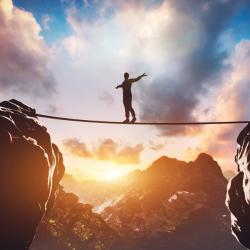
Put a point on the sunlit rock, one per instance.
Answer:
(31, 167)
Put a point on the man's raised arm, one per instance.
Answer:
(137, 78)
(118, 86)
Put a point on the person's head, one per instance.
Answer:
(126, 75)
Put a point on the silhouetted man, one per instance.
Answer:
(127, 95)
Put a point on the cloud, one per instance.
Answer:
(146, 37)
(74, 46)
(233, 94)
(77, 148)
(129, 154)
(191, 76)
(230, 100)
(106, 150)
(177, 42)
(46, 20)
(156, 146)
(175, 98)
(24, 56)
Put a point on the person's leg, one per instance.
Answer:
(126, 107)
(131, 110)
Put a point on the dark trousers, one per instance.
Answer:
(127, 101)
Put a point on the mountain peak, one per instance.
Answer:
(205, 157)
(164, 164)
(208, 165)
(164, 160)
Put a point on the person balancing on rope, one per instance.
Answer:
(127, 95)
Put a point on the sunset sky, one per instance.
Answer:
(65, 57)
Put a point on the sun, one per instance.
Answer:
(112, 174)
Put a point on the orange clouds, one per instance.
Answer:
(105, 150)
(77, 148)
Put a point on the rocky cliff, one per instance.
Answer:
(31, 167)
(238, 195)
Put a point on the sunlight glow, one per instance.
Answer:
(112, 174)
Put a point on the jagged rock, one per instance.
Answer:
(238, 194)
(31, 167)
(72, 225)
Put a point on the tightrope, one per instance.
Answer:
(141, 123)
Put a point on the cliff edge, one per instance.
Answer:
(31, 167)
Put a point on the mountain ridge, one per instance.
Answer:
(172, 203)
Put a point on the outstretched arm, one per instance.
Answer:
(138, 78)
(118, 86)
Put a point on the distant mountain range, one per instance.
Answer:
(100, 192)
(103, 193)
(170, 205)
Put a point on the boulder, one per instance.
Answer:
(31, 167)
(238, 191)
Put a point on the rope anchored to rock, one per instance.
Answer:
(141, 123)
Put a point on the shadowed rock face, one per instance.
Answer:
(238, 195)
(31, 167)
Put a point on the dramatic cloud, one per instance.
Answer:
(140, 36)
(183, 45)
(106, 150)
(174, 98)
(231, 101)
(24, 57)
(233, 98)
(177, 42)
